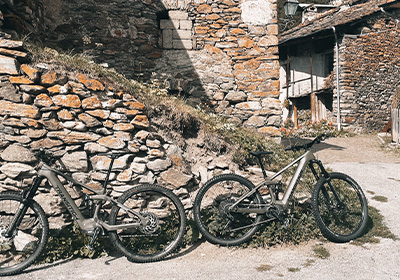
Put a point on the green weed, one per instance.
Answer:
(380, 198)
(264, 267)
(70, 242)
(321, 252)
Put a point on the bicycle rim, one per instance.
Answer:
(216, 222)
(20, 250)
(340, 208)
(163, 231)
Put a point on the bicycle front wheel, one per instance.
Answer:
(339, 207)
(217, 220)
(24, 246)
(162, 223)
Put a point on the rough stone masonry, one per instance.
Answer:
(219, 54)
(77, 117)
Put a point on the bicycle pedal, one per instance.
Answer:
(285, 223)
(90, 248)
(94, 237)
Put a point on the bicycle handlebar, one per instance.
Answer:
(308, 146)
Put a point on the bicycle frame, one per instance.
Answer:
(307, 159)
(86, 224)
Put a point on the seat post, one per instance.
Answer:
(108, 173)
(262, 166)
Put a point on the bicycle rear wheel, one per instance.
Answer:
(163, 231)
(339, 207)
(217, 223)
(22, 248)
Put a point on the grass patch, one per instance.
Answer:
(321, 252)
(293, 269)
(380, 198)
(375, 229)
(264, 267)
(309, 262)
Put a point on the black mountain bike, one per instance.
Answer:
(146, 223)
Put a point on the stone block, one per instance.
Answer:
(252, 105)
(182, 34)
(166, 24)
(185, 24)
(10, 44)
(167, 39)
(76, 161)
(17, 153)
(234, 96)
(18, 110)
(183, 44)
(70, 101)
(8, 65)
(255, 121)
(178, 15)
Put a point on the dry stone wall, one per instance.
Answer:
(217, 53)
(77, 117)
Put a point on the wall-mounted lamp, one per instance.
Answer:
(290, 7)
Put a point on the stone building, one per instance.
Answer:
(344, 65)
(218, 53)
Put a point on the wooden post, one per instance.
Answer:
(396, 125)
(312, 96)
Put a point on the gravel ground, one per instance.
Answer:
(376, 170)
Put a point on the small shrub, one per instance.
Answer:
(380, 198)
(301, 228)
(293, 269)
(309, 129)
(321, 252)
(70, 242)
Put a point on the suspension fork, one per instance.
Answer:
(23, 207)
(326, 175)
(322, 169)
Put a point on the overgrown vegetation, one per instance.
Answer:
(376, 229)
(71, 242)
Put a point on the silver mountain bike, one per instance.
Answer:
(228, 209)
(146, 223)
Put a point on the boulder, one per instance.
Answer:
(17, 153)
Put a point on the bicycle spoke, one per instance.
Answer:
(160, 216)
(223, 212)
(340, 208)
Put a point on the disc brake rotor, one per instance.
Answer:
(151, 225)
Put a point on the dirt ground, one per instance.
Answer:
(360, 148)
(370, 163)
